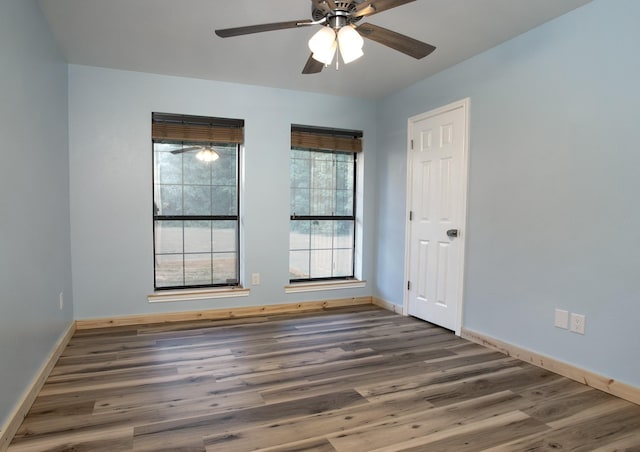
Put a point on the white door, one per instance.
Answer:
(437, 187)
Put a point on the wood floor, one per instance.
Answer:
(348, 379)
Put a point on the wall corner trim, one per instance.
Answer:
(597, 381)
(23, 405)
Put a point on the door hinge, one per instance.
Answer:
(411, 215)
(408, 285)
(412, 145)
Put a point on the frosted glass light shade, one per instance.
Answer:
(322, 41)
(326, 55)
(350, 44)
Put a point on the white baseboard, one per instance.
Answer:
(606, 384)
(23, 405)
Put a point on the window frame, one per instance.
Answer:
(228, 124)
(324, 138)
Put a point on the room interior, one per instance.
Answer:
(548, 227)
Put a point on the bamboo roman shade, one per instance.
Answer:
(326, 139)
(196, 129)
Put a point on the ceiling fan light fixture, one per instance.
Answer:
(350, 43)
(207, 155)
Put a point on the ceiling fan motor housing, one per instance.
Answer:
(338, 18)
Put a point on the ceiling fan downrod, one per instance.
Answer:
(338, 19)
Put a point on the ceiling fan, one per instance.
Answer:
(339, 20)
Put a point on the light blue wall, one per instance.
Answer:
(34, 198)
(553, 217)
(111, 170)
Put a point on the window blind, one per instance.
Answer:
(326, 139)
(197, 129)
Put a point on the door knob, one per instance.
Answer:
(452, 233)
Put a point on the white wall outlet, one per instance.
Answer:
(61, 300)
(577, 323)
(561, 319)
(255, 279)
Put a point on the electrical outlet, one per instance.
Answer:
(561, 319)
(61, 300)
(255, 279)
(577, 323)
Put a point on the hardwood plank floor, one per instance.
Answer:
(344, 379)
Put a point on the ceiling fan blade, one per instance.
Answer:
(312, 66)
(190, 148)
(401, 43)
(371, 7)
(239, 31)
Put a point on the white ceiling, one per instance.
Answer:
(175, 37)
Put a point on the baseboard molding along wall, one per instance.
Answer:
(606, 384)
(387, 305)
(28, 397)
(218, 314)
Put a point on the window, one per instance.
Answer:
(322, 203)
(195, 201)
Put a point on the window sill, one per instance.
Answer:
(190, 295)
(328, 285)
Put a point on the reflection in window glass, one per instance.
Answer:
(195, 215)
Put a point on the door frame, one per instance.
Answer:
(463, 212)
